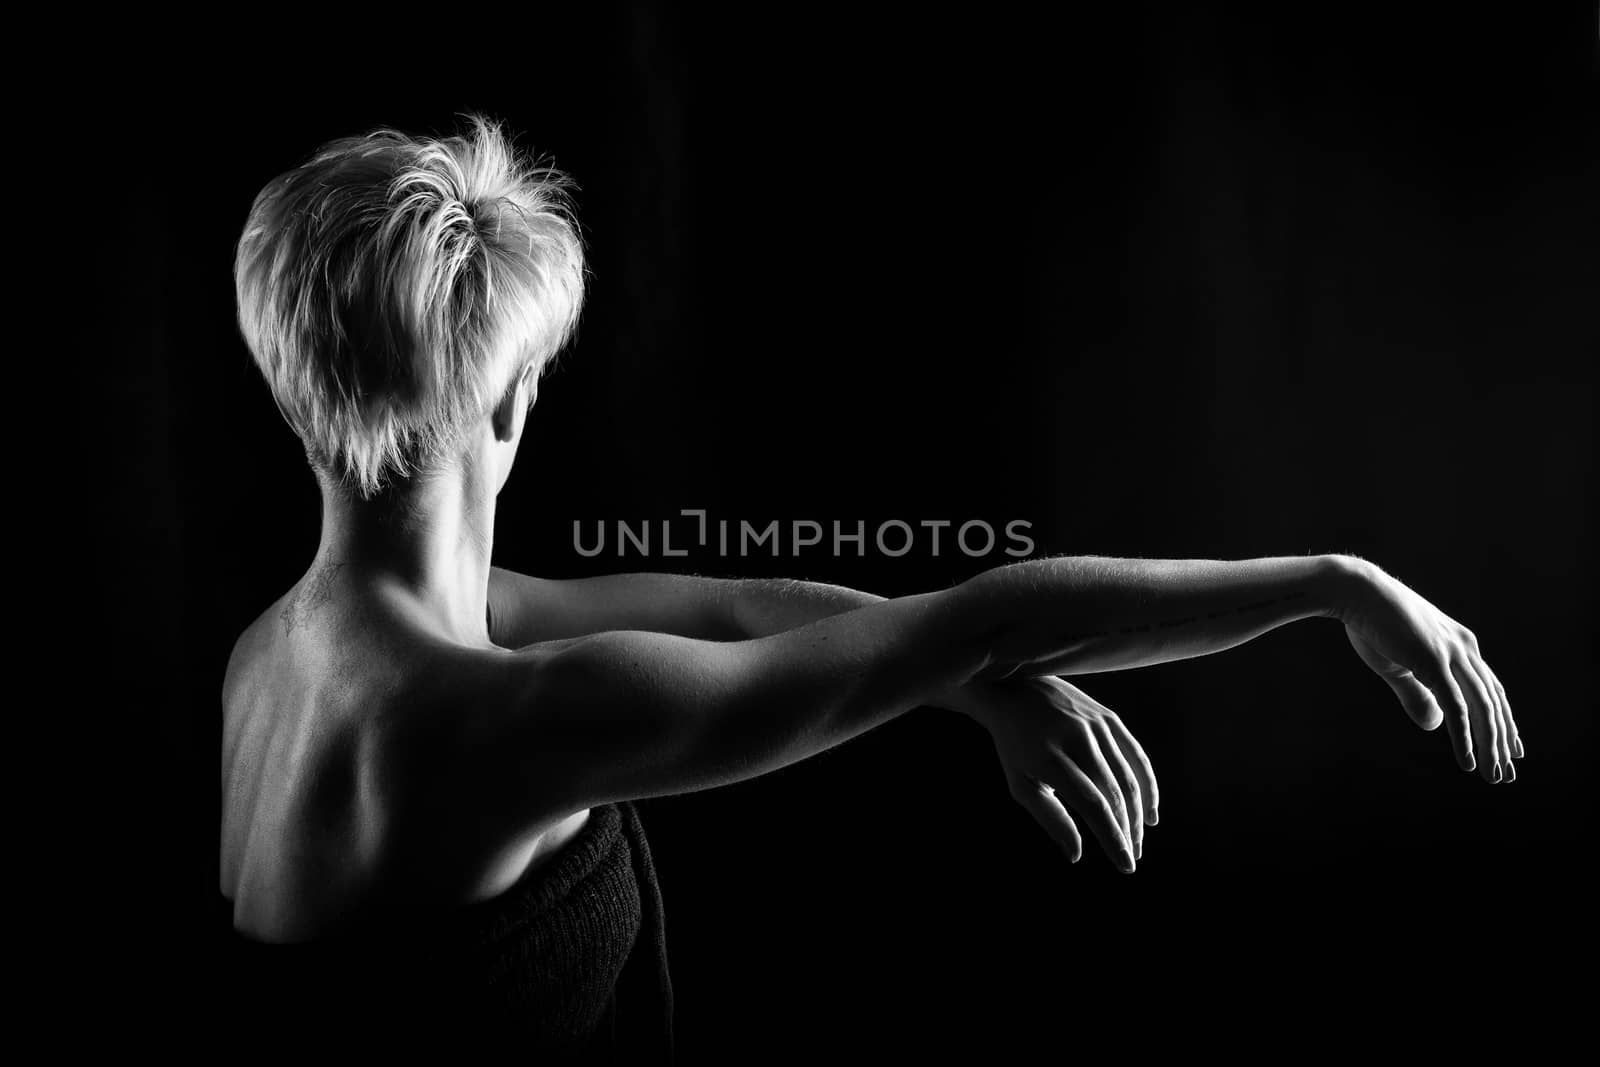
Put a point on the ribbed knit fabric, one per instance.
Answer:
(572, 960)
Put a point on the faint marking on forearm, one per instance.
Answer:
(1185, 620)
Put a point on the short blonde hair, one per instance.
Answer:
(392, 288)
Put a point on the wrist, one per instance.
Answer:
(967, 700)
(1341, 581)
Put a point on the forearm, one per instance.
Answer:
(760, 607)
(1079, 615)
(1042, 617)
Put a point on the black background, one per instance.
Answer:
(1176, 285)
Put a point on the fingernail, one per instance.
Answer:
(1519, 749)
(1155, 817)
(1511, 771)
(1496, 777)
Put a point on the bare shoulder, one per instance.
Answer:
(249, 648)
(374, 760)
(511, 741)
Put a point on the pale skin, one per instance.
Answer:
(410, 729)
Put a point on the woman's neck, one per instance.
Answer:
(432, 539)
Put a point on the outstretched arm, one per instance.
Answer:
(745, 707)
(528, 610)
(631, 714)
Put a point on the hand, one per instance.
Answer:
(1063, 750)
(1434, 666)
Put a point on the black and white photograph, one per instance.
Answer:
(660, 533)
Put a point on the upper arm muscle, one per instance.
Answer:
(526, 610)
(628, 714)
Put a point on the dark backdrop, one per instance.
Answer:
(1177, 286)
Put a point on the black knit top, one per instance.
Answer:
(572, 960)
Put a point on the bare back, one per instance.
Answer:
(329, 819)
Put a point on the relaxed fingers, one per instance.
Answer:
(1129, 783)
(1508, 729)
(1457, 721)
(1497, 715)
(1078, 792)
(1502, 729)
(1097, 766)
(1037, 799)
(1485, 721)
(1511, 720)
(1149, 792)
